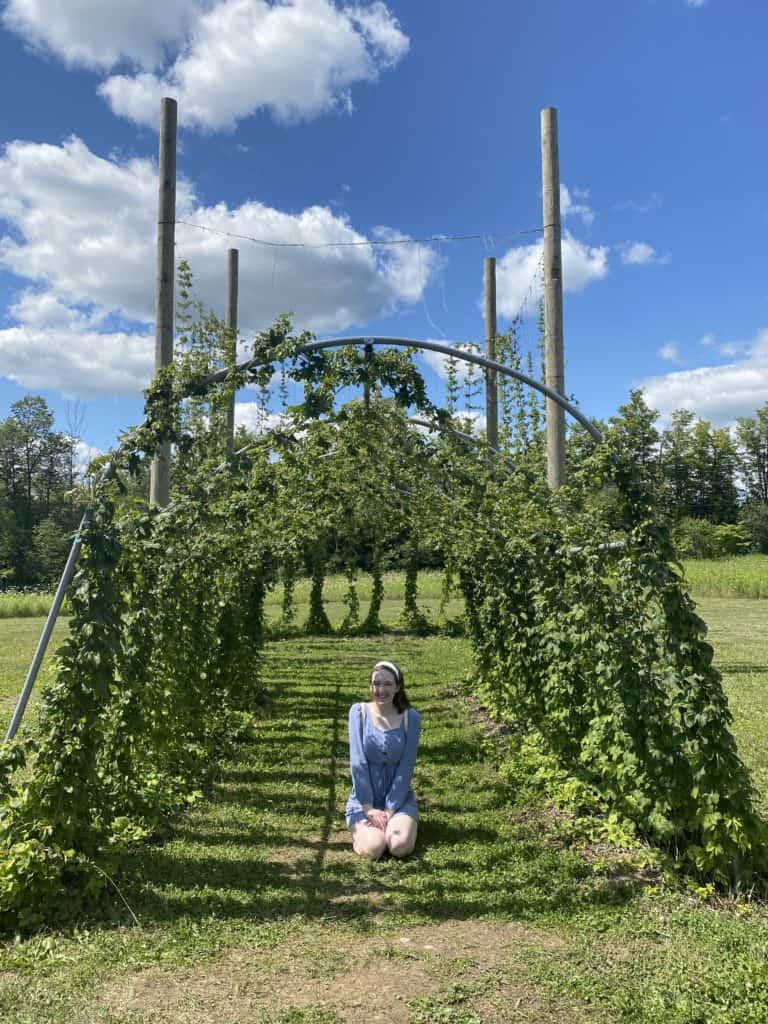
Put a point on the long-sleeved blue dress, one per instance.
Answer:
(381, 762)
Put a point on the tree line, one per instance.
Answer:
(41, 495)
(712, 483)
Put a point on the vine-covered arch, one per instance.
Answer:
(431, 346)
(594, 651)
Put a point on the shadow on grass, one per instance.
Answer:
(271, 842)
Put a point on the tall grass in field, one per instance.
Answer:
(737, 576)
(25, 604)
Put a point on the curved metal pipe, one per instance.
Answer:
(432, 346)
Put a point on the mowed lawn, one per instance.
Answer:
(256, 911)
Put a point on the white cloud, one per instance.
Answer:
(59, 346)
(253, 418)
(726, 348)
(221, 59)
(716, 393)
(439, 363)
(98, 34)
(637, 253)
(695, 3)
(569, 208)
(473, 421)
(582, 263)
(84, 455)
(297, 60)
(669, 352)
(82, 229)
(76, 360)
(518, 273)
(382, 31)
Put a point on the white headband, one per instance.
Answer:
(392, 668)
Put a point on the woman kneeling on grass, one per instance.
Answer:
(383, 737)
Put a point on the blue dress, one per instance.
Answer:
(381, 762)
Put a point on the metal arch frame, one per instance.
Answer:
(315, 346)
(432, 346)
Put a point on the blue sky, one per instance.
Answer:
(320, 122)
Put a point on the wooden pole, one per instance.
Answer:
(159, 475)
(491, 383)
(230, 355)
(554, 371)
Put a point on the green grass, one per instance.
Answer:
(738, 576)
(18, 640)
(255, 910)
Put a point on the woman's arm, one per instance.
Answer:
(358, 762)
(401, 783)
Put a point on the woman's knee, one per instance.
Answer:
(369, 842)
(401, 836)
(402, 847)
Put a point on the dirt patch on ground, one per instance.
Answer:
(393, 976)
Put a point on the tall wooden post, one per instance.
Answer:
(159, 476)
(230, 355)
(553, 297)
(491, 383)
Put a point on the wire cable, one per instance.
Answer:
(371, 242)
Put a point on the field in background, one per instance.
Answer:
(738, 576)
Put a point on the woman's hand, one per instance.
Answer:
(377, 818)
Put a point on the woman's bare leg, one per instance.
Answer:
(401, 834)
(368, 841)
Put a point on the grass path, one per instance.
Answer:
(256, 910)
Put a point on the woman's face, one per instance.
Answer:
(383, 686)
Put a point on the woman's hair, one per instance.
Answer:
(400, 699)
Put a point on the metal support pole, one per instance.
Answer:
(159, 476)
(230, 355)
(553, 297)
(491, 382)
(53, 614)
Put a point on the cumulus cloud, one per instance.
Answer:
(223, 60)
(569, 208)
(84, 455)
(81, 229)
(637, 253)
(518, 273)
(439, 363)
(256, 420)
(719, 394)
(76, 360)
(97, 34)
(296, 60)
